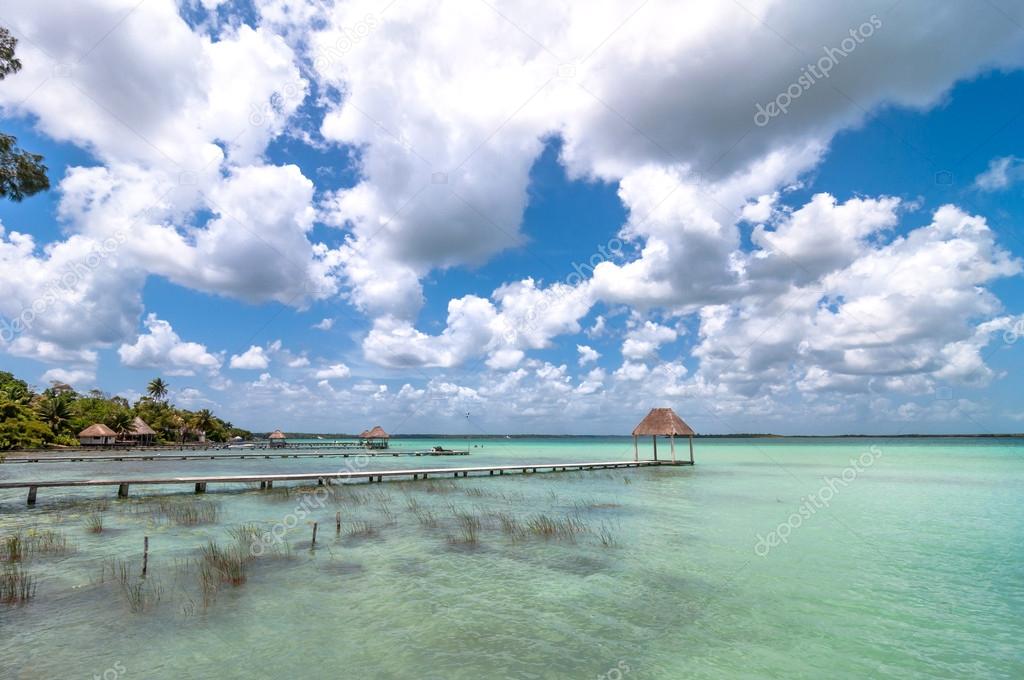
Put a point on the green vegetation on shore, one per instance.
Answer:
(30, 419)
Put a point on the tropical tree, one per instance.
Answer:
(204, 420)
(21, 173)
(120, 422)
(157, 388)
(55, 412)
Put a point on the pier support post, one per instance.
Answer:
(313, 544)
(270, 484)
(145, 556)
(32, 494)
(200, 487)
(122, 491)
(672, 439)
(691, 450)
(654, 440)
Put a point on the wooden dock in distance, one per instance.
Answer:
(267, 481)
(222, 456)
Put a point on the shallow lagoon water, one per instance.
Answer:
(913, 570)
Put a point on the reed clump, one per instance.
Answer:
(224, 564)
(186, 513)
(467, 527)
(17, 586)
(426, 518)
(548, 527)
(361, 529)
(94, 523)
(20, 546)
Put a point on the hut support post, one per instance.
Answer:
(636, 450)
(654, 440)
(691, 450)
(672, 443)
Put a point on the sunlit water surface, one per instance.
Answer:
(913, 569)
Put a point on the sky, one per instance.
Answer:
(521, 216)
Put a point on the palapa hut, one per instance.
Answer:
(277, 439)
(662, 422)
(377, 438)
(97, 434)
(140, 432)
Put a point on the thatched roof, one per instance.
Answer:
(97, 430)
(140, 427)
(364, 434)
(277, 434)
(662, 421)
(377, 433)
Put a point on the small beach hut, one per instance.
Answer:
(140, 432)
(377, 438)
(665, 423)
(97, 434)
(277, 439)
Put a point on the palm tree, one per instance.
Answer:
(157, 388)
(203, 420)
(55, 412)
(121, 422)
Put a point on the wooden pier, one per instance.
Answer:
(200, 483)
(236, 454)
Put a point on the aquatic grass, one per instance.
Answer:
(427, 518)
(434, 486)
(412, 504)
(141, 595)
(17, 586)
(20, 546)
(606, 537)
(548, 527)
(94, 523)
(361, 529)
(119, 570)
(188, 512)
(224, 565)
(510, 525)
(468, 528)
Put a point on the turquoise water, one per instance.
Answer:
(910, 566)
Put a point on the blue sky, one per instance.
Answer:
(475, 293)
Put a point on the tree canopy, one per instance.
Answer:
(22, 173)
(30, 419)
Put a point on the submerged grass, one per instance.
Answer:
(467, 526)
(190, 512)
(17, 586)
(20, 546)
(361, 529)
(94, 523)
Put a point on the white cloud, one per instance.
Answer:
(587, 354)
(161, 348)
(643, 341)
(77, 378)
(324, 324)
(1001, 173)
(255, 359)
(334, 371)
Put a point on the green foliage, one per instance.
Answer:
(21, 173)
(58, 414)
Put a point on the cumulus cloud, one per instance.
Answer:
(77, 378)
(1001, 173)
(643, 341)
(587, 354)
(334, 371)
(160, 347)
(254, 359)
(324, 324)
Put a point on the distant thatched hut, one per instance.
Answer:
(277, 439)
(97, 434)
(665, 423)
(377, 438)
(140, 432)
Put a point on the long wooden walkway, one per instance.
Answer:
(236, 455)
(267, 481)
